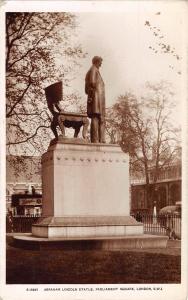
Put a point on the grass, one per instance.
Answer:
(93, 267)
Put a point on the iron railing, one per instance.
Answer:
(20, 223)
(169, 224)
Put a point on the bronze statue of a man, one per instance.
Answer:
(94, 88)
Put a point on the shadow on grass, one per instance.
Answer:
(91, 267)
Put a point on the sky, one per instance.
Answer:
(116, 31)
(120, 37)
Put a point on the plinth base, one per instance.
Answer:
(104, 243)
(87, 227)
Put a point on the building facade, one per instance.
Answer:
(166, 191)
(23, 177)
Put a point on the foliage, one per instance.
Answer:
(19, 167)
(39, 51)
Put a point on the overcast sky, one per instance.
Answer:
(120, 37)
(115, 31)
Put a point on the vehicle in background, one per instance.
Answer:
(170, 219)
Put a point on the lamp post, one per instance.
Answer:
(154, 213)
(155, 206)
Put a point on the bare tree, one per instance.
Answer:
(145, 130)
(165, 138)
(39, 51)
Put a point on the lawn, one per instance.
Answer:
(93, 267)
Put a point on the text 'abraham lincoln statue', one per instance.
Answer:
(94, 88)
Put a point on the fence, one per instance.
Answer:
(160, 225)
(20, 223)
(169, 224)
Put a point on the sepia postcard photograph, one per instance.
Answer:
(94, 150)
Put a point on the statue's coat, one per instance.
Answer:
(95, 89)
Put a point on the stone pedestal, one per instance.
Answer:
(85, 192)
(87, 227)
(85, 180)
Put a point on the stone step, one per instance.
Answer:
(98, 243)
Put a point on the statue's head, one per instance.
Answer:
(97, 61)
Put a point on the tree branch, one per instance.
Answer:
(29, 138)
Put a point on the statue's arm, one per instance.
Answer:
(93, 78)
